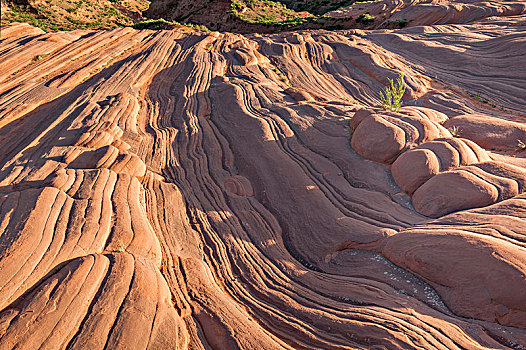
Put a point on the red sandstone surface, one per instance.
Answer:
(173, 190)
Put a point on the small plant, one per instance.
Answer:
(486, 101)
(365, 18)
(401, 22)
(281, 76)
(483, 100)
(39, 57)
(455, 131)
(521, 145)
(392, 100)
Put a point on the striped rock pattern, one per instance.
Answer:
(170, 190)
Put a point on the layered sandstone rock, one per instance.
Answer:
(170, 190)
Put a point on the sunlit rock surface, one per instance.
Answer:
(170, 190)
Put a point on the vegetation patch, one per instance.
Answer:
(281, 75)
(244, 15)
(162, 24)
(316, 7)
(483, 100)
(54, 15)
(277, 15)
(268, 12)
(39, 57)
(391, 98)
(155, 24)
(365, 18)
(401, 22)
(486, 101)
(455, 131)
(197, 27)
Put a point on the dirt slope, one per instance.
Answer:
(172, 190)
(53, 15)
(263, 16)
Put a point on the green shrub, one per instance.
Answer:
(365, 18)
(455, 131)
(198, 27)
(155, 24)
(236, 6)
(401, 22)
(392, 100)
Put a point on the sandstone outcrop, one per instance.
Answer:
(173, 190)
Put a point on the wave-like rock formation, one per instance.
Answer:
(171, 190)
(429, 12)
